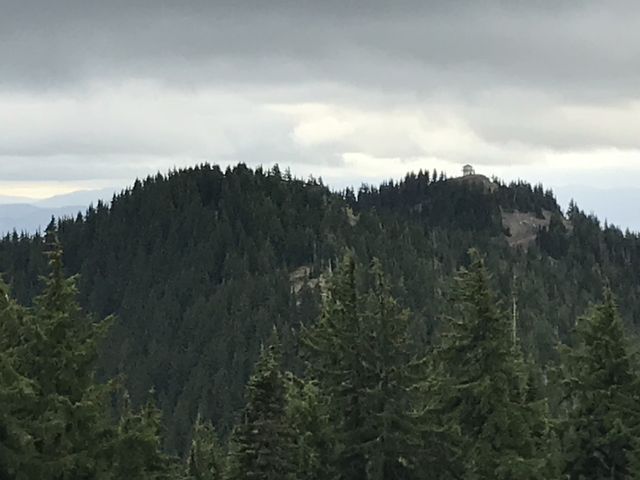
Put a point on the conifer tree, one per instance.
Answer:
(336, 364)
(54, 346)
(55, 420)
(206, 459)
(480, 391)
(361, 357)
(12, 446)
(391, 376)
(308, 417)
(17, 394)
(261, 444)
(603, 393)
(136, 450)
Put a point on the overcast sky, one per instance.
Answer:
(96, 93)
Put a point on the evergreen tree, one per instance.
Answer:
(603, 393)
(261, 443)
(481, 390)
(391, 377)
(206, 459)
(136, 451)
(361, 357)
(17, 394)
(335, 362)
(55, 419)
(198, 265)
(308, 417)
(54, 346)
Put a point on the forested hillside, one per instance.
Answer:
(200, 265)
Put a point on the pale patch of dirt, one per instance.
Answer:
(524, 227)
(352, 218)
(301, 277)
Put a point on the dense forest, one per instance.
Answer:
(261, 326)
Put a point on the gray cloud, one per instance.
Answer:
(579, 48)
(115, 89)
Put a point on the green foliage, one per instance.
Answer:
(200, 263)
(136, 450)
(206, 457)
(262, 440)
(480, 393)
(361, 357)
(16, 392)
(51, 349)
(54, 420)
(392, 376)
(313, 440)
(602, 392)
(338, 367)
(17, 450)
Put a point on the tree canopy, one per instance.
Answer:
(401, 354)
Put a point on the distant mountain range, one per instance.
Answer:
(617, 206)
(29, 215)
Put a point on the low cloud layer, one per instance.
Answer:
(99, 92)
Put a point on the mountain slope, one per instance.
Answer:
(6, 199)
(29, 215)
(200, 265)
(29, 218)
(80, 197)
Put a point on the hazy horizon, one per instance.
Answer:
(613, 205)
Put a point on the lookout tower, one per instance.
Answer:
(468, 170)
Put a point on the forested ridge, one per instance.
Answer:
(389, 332)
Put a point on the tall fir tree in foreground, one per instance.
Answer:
(54, 346)
(261, 445)
(392, 375)
(361, 357)
(17, 395)
(602, 392)
(55, 420)
(479, 391)
(335, 363)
